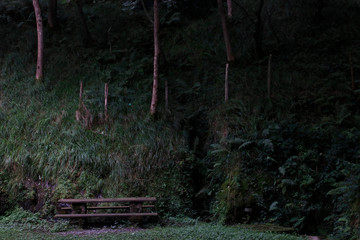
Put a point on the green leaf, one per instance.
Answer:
(282, 170)
(273, 206)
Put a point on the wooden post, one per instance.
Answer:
(78, 112)
(227, 82)
(106, 101)
(353, 86)
(80, 94)
(269, 77)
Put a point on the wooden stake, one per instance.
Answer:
(353, 86)
(227, 82)
(78, 112)
(81, 92)
(106, 101)
(269, 77)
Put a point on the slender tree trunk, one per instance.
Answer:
(40, 35)
(52, 13)
(259, 31)
(230, 56)
(154, 99)
(229, 5)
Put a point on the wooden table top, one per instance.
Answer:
(102, 200)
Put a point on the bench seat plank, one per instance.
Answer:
(102, 200)
(109, 207)
(82, 215)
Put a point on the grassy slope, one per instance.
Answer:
(200, 231)
(41, 141)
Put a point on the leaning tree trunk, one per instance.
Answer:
(156, 59)
(230, 56)
(52, 13)
(40, 35)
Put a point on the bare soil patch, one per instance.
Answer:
(88, 232)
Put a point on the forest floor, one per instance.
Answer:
(198, 231)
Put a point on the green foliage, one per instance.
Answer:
(25, 220)
(263, 159)
(285, 173)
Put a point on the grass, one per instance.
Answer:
(198, 231)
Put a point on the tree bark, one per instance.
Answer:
(52, 13)
(154, 99)
(230, 56)
(40, 35)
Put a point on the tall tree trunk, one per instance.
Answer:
(52, 13)
(258, 35)
(40, 35)
(230, 56)
(87, 39)
(154, 99)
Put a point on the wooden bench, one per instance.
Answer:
(85, 208)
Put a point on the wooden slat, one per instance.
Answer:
(82, 215)
(101, 200)
(109, 207)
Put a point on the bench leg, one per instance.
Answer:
(135, 208)
(79, 208)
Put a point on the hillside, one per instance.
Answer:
(290, 158)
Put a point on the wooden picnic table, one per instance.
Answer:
(88, 207)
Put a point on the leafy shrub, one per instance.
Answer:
(26, 220)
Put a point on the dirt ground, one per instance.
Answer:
(87, 232)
